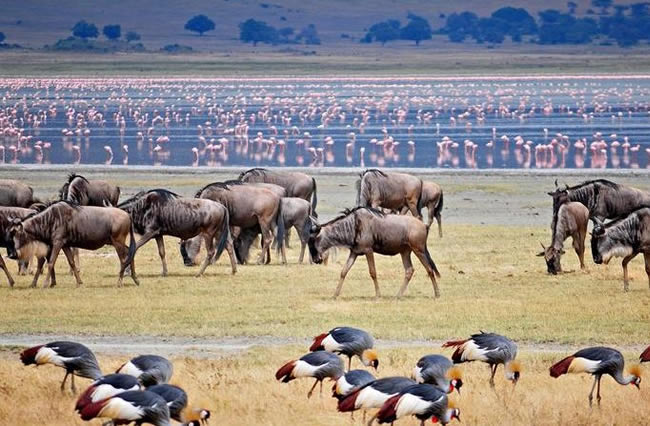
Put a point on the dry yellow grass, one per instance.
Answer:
(241, 390)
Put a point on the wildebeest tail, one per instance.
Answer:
(280, 231)
(430, 260)
(225, 234)
(314, 198)
(306, 229)
(438, 208)
(420, 199)
(357, 185)
(131, 254)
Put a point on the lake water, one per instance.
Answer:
(450, 123)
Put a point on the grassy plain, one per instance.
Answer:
(242, 390)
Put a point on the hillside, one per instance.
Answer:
(34, 23)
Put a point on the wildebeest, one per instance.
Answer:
(64, 225)
(159, 212)
(571, 220)
(390, 190)
(16, 194)
(249, 206)
(603, 198)
(84, 192)
(7, 216)
(296, 213)
(296, 184)
(366, 231)
(625, 237)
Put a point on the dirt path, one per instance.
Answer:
(216, 348)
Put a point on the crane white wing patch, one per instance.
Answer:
(304, 369)
(47, 355)
(130, 369)
(106, 391)
(117, 408)
(370, 397)
(417, 375)
(343, 387)
(583, 365)
(472, 352)
(410, 404)
(330, 344)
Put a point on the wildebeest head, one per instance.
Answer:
(17, 239)
(314, 243)
(597, 240)
(552, 257)
(190, 250)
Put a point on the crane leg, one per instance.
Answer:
(494, 370)
(591, 394)
(372, 419)
(73, 387)
(598, 392)
(311, 391)
(321, 388)
(64, 379)
(349, 363)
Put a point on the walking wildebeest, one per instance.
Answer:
(603, 198)
(7, 216)
(248, 206)
(159, 212)
(571, 220)
(624, 237)
(432, 199)
(365, 231)
(84, 192)
(389, 190)
(64, 225)
(16, 194)
(296, 213)
(296, 184)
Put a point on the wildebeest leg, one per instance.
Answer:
(351, 259)
(423, 259)
(134, 277)
(3, 265)
(267, 238)
(303, 244)
(161, 252)
(75, 271)
(413, 208)
(626, 260)
(408, 272)
(370, 257)
(209, 246)
(39, 269)
(122, 253)
(231, 255)
(438, 217)
(50, 266)
(579, 247)
(646, 257)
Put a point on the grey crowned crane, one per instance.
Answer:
(598, 361)
(645, 356)
(422, 401)
(179, 409)
(438, 370)
(350, 342)
(75, 358)
(490, 348)
(132, 406)
(106, 387)
(374, 394)
(149, 369)
(349, 382)
(319, 365)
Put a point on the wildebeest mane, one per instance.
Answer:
(347, 212)
(255, 171)
(164, 194)
(223, 185)
(73, 176)
(131, 199)
(594, 181)
(49, 204)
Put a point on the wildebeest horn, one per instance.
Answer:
(542, 244)
(556, 183)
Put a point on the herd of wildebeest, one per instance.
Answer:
(230, 215)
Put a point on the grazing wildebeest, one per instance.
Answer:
(64, 225)
(7, 216)
(603, 198)
(84, 192)
(16, 194)
(366, 231)
(248, 206)
(296, 184)
(296, 213)
(624, 237)
(159, 212)
(389, 190)
(571, 220)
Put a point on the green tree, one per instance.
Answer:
(252, 31)
(417, 29)
(199, 24)
(112, 32)
(384, 31)
(85, 30)
(309, 35)
(132, 36)
(2, 37)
